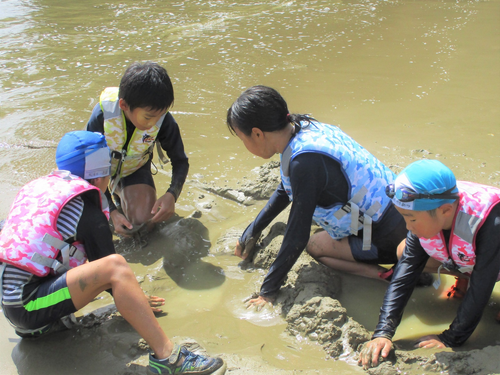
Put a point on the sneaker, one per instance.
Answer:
(458, 289)
(182, 361)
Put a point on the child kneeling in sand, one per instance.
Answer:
(55, 224)
(457, 224)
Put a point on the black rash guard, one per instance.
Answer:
(170, 140)
(482, 282)
(316, 180)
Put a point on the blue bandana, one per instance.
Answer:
(428, 177)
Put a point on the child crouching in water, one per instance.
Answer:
(457, 223)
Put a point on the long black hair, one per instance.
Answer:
(261, 107)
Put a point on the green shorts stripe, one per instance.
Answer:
(49, 300)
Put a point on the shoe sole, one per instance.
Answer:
(220, 371)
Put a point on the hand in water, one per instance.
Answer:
(430, 341)
(238, 251)
(258, 302)
(154, 302)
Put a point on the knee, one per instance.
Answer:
(118, 267)
(312, 250)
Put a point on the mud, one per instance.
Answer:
(308, 303)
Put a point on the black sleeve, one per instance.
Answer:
(170, 140)
(406, 274)
(93, 230)
(277, 203)
(96, 120)
(481, 284)
(309, 178)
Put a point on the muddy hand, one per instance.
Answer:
(121, 224)
(371, 351)
(154, 302)
(430, 341)
(238, 250)
(258, 302)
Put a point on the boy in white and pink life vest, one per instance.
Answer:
(457, 224)
(57, 223)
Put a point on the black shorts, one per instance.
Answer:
(384, 248)
(141, 176)
(50, 302)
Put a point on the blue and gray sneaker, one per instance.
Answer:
(182, 361)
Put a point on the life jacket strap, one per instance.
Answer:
(356, 218)
(2, 269)
(67, 250)
(53, 264)
(161, 156)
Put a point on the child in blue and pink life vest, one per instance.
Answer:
(58, 222)
(457, 224)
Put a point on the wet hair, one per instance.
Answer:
(261, 107)
(146, 86)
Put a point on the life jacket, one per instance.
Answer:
(475, 203)
(126, 161)
(366, 176)
(30, 239)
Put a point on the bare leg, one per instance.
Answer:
(137, 202)
(88, 280)
(337, 255)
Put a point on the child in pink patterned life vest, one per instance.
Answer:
(457, 225)
(57, 255)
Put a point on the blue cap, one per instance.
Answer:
(428, 177)
(84, 154)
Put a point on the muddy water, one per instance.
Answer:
(407, 79)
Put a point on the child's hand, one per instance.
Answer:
(163, 208)
(258, 302)
(121, 224)
(238, 250)
(154, 302)
(430, 341)
(372, 350)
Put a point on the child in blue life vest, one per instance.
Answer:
(329, 178)
(134, 117)
(457, 225)
(58, 222)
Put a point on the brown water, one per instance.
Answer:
(407, 79)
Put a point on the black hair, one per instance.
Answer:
(261, 107)
(146, 86)
(432, 212)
